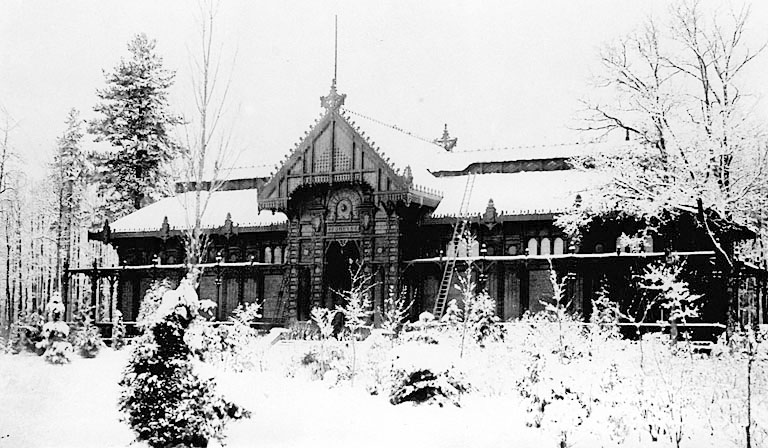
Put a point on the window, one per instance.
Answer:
(279, 255)
(546, 247)
(533, 247)
(559, 246)
(267, 255)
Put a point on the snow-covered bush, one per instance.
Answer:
(426, 329)
(58, 349)
(551, 401)
(483, 319)
(323, 318)
(164, 400)
(394, 312)
(357, 309)
(474, 316)
(227, 345)
(118, 331)
(151, 302)
(377, 364)
(426, 374)
(27, 332)
(326, 363)
(665, 289)
(86, 337)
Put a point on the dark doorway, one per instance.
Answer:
(339, 258)
(304, 294)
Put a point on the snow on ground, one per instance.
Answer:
(76, 405)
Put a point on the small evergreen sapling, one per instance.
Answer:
(58, 349)
(164, 400)
(86, 337)
(27, 332)
(118, 331)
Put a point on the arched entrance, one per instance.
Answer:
(338, 258)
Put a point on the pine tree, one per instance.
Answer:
(164, 400)
(136, 121)
(70, 170)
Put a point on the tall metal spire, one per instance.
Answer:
(335, 45)
(333, 101)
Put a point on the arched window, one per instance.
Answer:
(267, 255)
(546, 247)
(533, 247)
(559, 246)
(279, 255)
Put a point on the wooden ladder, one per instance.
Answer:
(458, 233)
(285, 285)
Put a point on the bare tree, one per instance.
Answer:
(675, 89)
(206, 145)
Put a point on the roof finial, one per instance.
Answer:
(446, 141)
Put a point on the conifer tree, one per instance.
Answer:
(136, 121)
(70, 169)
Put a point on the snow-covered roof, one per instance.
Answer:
(460, 159)
(242, 205)
(245, 172)
(517, 193)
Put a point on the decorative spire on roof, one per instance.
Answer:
(446, 141)
(333, 101)
(490, 215)
(408, 175)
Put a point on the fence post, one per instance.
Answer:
(94, 289)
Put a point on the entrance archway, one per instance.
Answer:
(338, 260)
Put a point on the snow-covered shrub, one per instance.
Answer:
(164, 400)
(377, 364)
(663, 283)
(483, 319)
(58, 349)
(327, 363)
(27, 332)
(561, 335)
(394, 312)
(425, 330)
(151, 302)
(118, 331)
(426, 374)
(86, 337)
(323, 318)
(227, 345)
(303, 331)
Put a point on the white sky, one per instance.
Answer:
(500, 73)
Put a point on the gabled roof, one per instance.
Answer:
(523, 193)
(332, 152)
(241, 205)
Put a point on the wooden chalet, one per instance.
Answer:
(380, 196)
